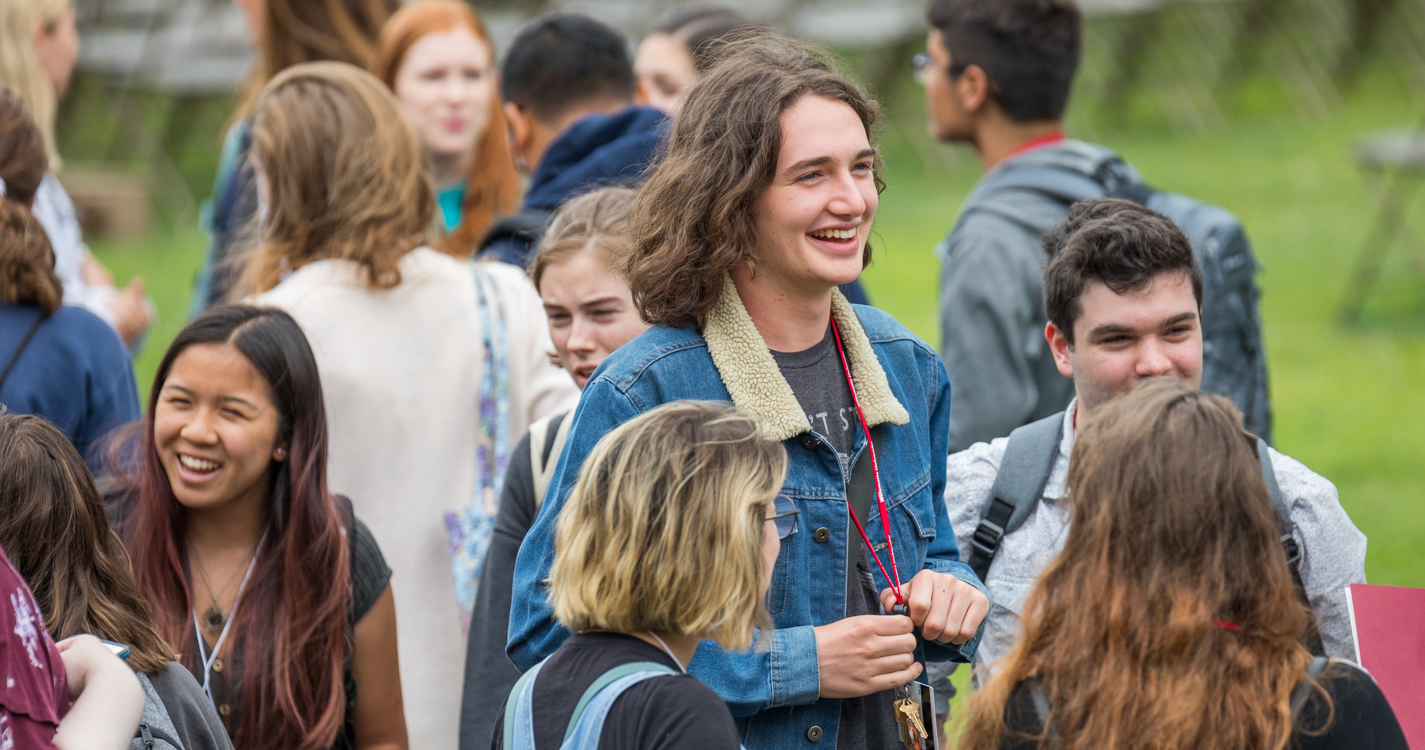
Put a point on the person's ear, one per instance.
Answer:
(973, 88)
(640, 93)
(521, 129)
(1060, 347)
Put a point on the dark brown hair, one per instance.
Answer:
(1029, 49)
(1117, 242)
(344, 173)
(493, 186)
(54, 529)
(1171, 529)
(27, 274)
(696, 216)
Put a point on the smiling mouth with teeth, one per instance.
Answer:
(193, 463)
(834, 234)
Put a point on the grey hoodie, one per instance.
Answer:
(992, 315)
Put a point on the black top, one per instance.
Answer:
(369, 577)
(675, 711)
(819, 383)
(489, 674)
(1363, 719)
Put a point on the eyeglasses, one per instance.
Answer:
(921, 65)
(786, 517)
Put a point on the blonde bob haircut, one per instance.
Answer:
(663, 531)
(345, 177)
(594, 222)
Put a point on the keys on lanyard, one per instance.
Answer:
(914, 703)
(894, 577)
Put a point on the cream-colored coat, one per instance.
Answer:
(400, 372)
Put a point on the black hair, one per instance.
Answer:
(564, 60)
(1029, 49)
(704, 29)
(275, 345)
(1120, 243)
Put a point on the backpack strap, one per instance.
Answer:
(1289, 545)
(518, 712)
(150, 736)
(1303, 688)
(1041, 707)
(587, 722)
(1019, 484)
(600, 697)
(24, 342)
(544, 452)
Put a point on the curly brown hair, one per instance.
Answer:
(695, 218)
(344, 173)
(27, 274)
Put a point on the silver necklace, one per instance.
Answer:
(214, 618)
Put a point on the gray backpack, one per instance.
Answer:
(1019, 486)
(156, 730)
(1234, 359)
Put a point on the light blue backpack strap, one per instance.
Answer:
(518, 712)
(600, 697)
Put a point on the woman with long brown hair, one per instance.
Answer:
(54, 529)
(437, 57)
(276, 597)
(285, 33)
(1170, 620)
(431, 367)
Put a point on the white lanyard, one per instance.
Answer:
(668, 651)
(210, 658)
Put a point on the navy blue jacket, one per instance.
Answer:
(75, 372)
(596, 151)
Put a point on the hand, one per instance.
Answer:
(945, 608)
(131, 317)
(83, 655)
(866, 654)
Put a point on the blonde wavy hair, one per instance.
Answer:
(663, 531)
(20, 68)
(344, 175)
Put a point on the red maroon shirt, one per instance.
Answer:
(34, 693)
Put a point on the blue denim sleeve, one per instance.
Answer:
(786, 674)
(943, 556)
(534, 633)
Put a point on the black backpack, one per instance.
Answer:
(1233, 357)
(1024, 472)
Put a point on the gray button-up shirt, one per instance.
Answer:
(1333, 550)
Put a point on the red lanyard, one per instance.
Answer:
(876, 475)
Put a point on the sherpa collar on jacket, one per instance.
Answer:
(756, 383)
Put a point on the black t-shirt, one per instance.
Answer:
(819, 383)
(818, 380)
(369, 577)
(676, 711)
(1363, 719)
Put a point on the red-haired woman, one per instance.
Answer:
(437, 58)
(277, 598)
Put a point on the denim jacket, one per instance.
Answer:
(774, 692)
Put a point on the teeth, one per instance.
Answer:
(197, 464)
(834, 234)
